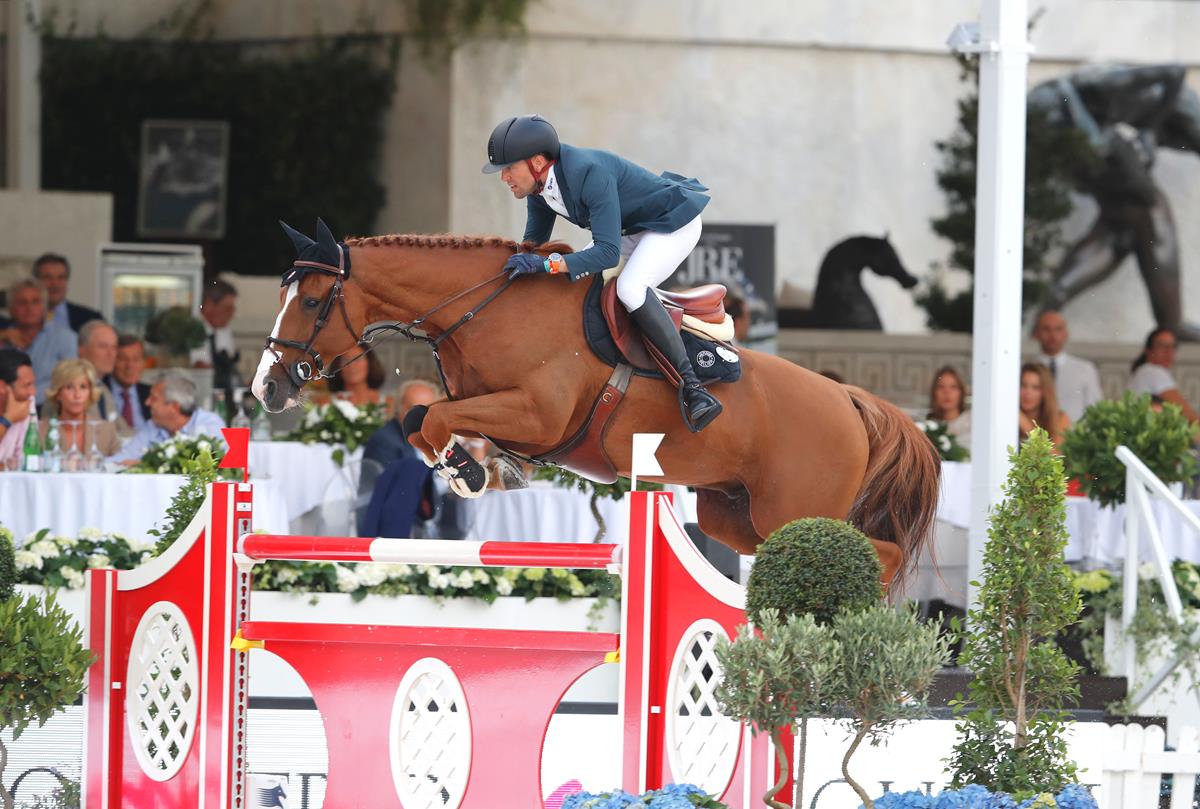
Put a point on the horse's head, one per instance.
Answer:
(884, 261)
(316, 322)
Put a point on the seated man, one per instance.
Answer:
(389, 442)
(17, 412)
(173, 411)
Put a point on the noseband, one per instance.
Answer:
(302, 370)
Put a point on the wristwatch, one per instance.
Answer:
(555, 263)
(5, 423)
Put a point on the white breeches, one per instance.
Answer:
(650, 258)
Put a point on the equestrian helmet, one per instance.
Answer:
(520, 138)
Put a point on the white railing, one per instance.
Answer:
(1135, 760)
(1142, 487)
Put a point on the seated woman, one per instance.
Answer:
(1039, 404)
(357, 382)
(1152, 372)
(948, 403)
(72, 397)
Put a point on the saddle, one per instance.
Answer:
(700, 311)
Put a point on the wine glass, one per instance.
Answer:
(73, 458)
(95, 458)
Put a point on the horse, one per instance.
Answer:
(518, 371)
(840, 302)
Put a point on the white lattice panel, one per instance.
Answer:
(702, 744)
(430, 737)
(161, 683)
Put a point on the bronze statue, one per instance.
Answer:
(1125, 114)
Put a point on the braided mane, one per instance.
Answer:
(452, 242)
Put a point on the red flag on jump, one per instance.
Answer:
(238, 454)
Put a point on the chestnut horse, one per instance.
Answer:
(789, 444)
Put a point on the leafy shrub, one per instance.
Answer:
(8, 565)
(814, 566)
(1161, 439)
(176, 330)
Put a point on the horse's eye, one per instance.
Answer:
(311, 303)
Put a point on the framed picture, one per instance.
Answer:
(184, 167)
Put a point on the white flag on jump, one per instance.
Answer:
(644, 462)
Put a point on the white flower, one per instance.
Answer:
(438, 580)
(481, 575)
(45, 549)
(169, 450)
(30, 537)
(312, 418)
(326, 435)
(1147, 571)
(27, 559)
(162, 469)
(397, 571)
(91, 534)
(145, 557)
(371, 575)
(73, 577)
(944, 442)
(287, 575)
(503, 586)
(347, 580)
(98, 560)
(464, 580)
(204, 446)
(347, 409)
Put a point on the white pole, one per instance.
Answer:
(999, 221)
(24, 154)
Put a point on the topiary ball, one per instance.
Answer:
(8, 565)
(815, 566)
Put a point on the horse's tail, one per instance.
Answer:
(898, 499)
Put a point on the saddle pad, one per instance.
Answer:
(713, 361)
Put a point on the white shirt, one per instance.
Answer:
(224, 340)
(1076, 381)
(552, 194)
(1152, 379)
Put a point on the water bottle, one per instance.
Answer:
(260, 427)
(51, 452)
(240, 419)
(32, 448)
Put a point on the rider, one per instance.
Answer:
(652, 220)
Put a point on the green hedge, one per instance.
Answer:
(306, 128)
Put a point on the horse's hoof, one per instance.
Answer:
(510, 475)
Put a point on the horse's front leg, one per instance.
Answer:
(509, 415)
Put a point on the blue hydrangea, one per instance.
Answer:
(974, 796)
(672, 796)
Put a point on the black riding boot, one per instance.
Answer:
(698, 406)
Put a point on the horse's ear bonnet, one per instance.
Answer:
(324, 250)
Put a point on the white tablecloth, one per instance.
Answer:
(303, 473)
(1097, 534)
(124, 504)
(548, 513)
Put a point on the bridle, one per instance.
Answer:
(302, 370)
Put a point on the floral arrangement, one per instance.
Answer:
(1073, 796)
(672, 796)
(176, 455)
(943, 440)
(434, 580)
(338, 422)
(58, 561)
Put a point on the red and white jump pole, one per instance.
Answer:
(414, 716)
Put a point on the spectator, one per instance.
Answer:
(219, 352)
(1076, 381)
(357, 381)
(129, 393)
(53, 272)
(16, 405)
(97, 344)
(1152, 371)
(948, 403)
(30, 333)
(389, 443)
(1039, 404)
(173, 411)
(73, 392)
(736, 308)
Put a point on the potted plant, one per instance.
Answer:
(1161, 438)
(42, 659)
(175, 331)
(1012, 727)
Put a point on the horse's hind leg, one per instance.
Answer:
(725, 516)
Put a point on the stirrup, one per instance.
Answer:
(714, 408)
